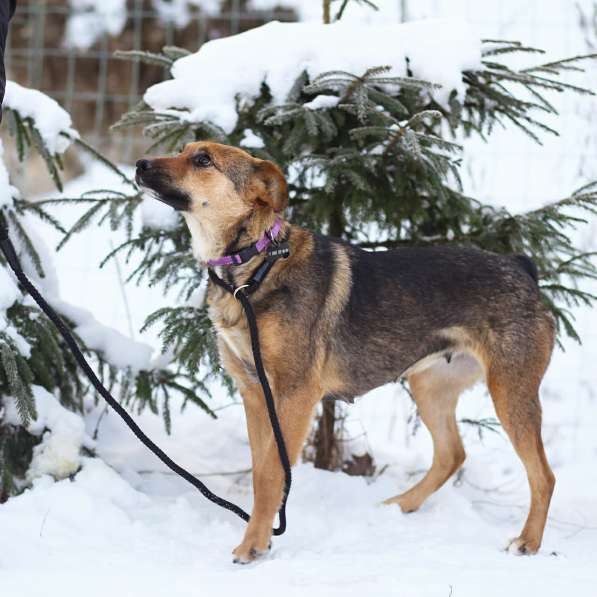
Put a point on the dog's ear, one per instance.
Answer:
(270, 186)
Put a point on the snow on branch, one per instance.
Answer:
(89, 20)
(209, 84)
(117, 349)
(62, 435)
(53, 122)
(7, 191)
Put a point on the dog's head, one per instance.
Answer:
(218, 189)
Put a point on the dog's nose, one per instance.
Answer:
(143, 165)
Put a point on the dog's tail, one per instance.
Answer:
(528, 265)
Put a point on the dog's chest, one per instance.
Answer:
(227, 317)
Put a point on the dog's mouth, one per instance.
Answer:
(162, 189)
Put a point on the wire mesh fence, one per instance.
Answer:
(45, 51)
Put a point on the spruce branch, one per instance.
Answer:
(99, 157)
(144, 57)
(26, 242)
(490, 91)
(27, 136)
(344, 4)
(18, 375)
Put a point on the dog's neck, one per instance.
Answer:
(209, 244)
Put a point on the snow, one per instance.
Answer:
(90, 19)
(21, 344)
(321, 102)
(136, 530)
(251, 140)
(174, 11)
(116, 348)
(62, 431)
(9, 293)
(7, 191)
(197, 298)
(82, 282)
(178, 12)
(438, 50)
(50, 119)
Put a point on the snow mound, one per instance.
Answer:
(51, 120)
(133, 533)
(209, 83)
(63, 431)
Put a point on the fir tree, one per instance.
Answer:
(31, 350)
(385, 152)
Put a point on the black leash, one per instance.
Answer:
(242, 293)
(11, 257)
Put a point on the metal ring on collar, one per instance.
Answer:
(239, 288)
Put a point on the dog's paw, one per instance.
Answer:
(246, 552)
(407, 504)
(522, 546)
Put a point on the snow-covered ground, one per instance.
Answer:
(125, 527)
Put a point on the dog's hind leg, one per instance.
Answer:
(436, 391)
(514, 387)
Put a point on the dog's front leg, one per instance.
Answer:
(295, 413)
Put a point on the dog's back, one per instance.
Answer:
(409, 303)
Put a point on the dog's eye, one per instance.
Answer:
(202, 160)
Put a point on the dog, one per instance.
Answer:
(337, 321)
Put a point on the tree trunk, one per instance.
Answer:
(326, 11)
(325, 437)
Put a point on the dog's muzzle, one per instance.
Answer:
(157, 180)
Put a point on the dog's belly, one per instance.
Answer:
(365, 362)
(449, 364)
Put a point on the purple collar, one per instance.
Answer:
(251, 251)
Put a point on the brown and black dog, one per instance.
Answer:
(335, 320)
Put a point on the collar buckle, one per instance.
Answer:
(279, 250)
